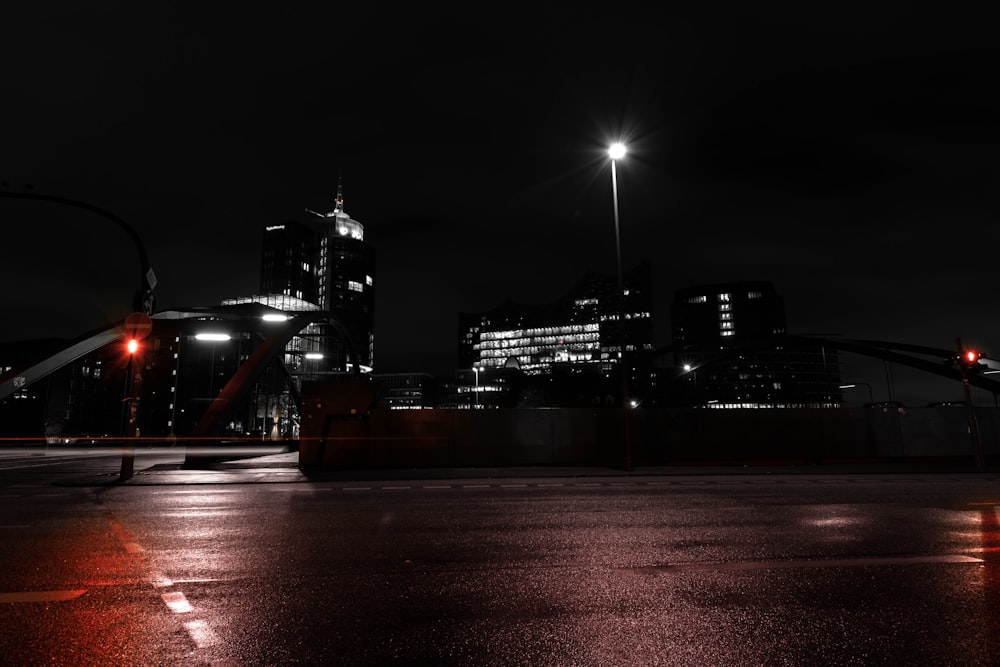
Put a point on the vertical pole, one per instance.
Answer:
(622, 364)
(128, 424)
(977, 443)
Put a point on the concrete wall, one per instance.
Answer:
(427, 438)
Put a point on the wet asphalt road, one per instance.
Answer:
(845, 569)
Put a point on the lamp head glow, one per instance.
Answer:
(212, 336)
(275, 317)
(314, 355)
(616, 151)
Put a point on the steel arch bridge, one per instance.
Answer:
(277, 337)
(932, 360)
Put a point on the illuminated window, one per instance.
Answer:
(726, 325)
(724, 307)
(698, 299)
(754, 295)
(354, 286)
(725, 316)
(369, 281)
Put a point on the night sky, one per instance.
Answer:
(848, 153)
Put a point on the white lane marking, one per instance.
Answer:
(201, 634)
(818, 563)
(177, 602)
(42, 596)
(160, 581)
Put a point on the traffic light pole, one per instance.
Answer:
(977, 443)
(128, 424)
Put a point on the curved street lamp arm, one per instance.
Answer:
(143, 298)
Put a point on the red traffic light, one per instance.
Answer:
(132, 345)
(971, 356)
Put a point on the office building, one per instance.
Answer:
(729, 340)
(325, 261)
(575, 334)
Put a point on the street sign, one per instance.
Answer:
(138, 325)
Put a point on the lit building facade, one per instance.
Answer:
(577, 333)
(729, 339)
(325, 262)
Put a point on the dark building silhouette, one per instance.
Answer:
(730, 341)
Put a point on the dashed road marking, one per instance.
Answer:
(177, 602)
(201, 634)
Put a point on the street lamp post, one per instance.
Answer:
(617, 152)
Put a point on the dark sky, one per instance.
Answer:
(848, 153)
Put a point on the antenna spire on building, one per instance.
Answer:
(340, 193)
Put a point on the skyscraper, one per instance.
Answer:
(325, 262)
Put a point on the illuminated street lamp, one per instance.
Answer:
(617, 152)
(212, 337)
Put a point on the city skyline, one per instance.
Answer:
(850, 162)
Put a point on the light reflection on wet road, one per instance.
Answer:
(844, 570)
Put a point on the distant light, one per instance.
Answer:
(212, 337)
(275, 317)
(314, 355)
(687, 367)
(132, 345)
(617, 151)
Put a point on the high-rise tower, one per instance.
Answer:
(345, 276)
(325, 264)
